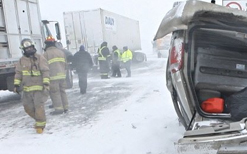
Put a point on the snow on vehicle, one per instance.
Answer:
(207, 59)
(19, 19)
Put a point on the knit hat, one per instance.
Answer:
(82, 48)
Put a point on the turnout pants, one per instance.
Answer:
(83, 82)
(58, 94)
(33, 103)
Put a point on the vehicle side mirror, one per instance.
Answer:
(58, 31)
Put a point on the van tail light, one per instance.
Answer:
(176, 57)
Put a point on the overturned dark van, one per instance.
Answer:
(207, 75)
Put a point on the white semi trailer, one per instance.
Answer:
(19, 19)
(92, 27)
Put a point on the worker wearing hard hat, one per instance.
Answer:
(32, 73)
(103, 58)
(58, 65)
(116, 59)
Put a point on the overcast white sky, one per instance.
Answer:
(149, 13)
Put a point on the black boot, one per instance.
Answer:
(65, 110)
(56, 112)
(83, 91)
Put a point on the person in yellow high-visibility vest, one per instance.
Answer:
(126, 59)
(116, 58)
(103, 58)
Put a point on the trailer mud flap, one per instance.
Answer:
(211, 148)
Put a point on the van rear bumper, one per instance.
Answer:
(231, 140)
(212, 148)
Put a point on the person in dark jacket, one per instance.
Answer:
(116, 58)
(103, 58)
(82, 62)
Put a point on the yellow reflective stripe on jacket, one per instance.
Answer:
(118, 52)
(58, 77)
(101, 57)
(17, 82)
(58, 108)
(28, 73)
(46, 80)
(40, 124)
(32, 88)
(53, 60)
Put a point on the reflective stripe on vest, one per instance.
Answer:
(118, 52)
(53, 60)
(29, 73)
(101, 57)
(17, 82)
(32, 88)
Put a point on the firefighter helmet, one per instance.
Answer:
(25, 43)
(50, 39)
(27, 47)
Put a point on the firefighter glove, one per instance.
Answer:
(17, 89)
(46, 87)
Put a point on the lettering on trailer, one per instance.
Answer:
(240, 4)
(110, 23)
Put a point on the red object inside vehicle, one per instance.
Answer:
(213, 105)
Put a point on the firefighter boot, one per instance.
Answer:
(39, 130)
(51, 106)
(65, 110)
(56, 112)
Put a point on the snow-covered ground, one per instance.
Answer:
(117, 116)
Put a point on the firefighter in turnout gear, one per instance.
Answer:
(126, 59)
(116, 58)
(103, 58)
(32, 73)
(58, 65)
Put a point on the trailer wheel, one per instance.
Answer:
(139, 57)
